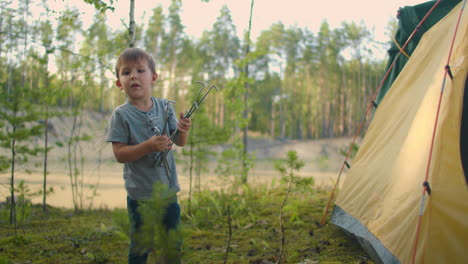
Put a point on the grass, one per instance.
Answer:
(99, 236)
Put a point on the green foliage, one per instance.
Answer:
(154, 236)
(229, 163)
(74, 154)
(289, 166)
(209, 208)
(121, 223)
(23, 201)
(4, 164)
(234, 164)
(301, 84)
(224, 46)
(20, 116)
(288, 169)
(323, 160)
(5, 213)
(93, 237)
(100, 5)
(59, 236)
(233, 160)
(352, 149)
(255, 235)
(4, 260)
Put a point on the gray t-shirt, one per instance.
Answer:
(132, 126)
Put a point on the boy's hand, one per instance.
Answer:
(184, 124)
(160, 143)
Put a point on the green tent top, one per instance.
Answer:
(408, 19)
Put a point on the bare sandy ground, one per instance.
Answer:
(110, 186)
(111, 192)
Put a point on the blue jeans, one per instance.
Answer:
(171, 220)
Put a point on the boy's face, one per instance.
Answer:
(136, 79)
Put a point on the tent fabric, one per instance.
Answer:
(382, 191)
(408, 19)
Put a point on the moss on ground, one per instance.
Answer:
(99, 236)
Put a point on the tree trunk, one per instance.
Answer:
(131, 28)
(272, 121)
(101, 89)
(12, 179)
(25, 45)
(46, 134)
(246, 97)
(2, 42)
(46, 142)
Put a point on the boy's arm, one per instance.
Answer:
(181, 139)
(127, 153)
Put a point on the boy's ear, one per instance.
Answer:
(119, 84)
(155, 77)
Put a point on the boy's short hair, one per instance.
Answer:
(134, 55)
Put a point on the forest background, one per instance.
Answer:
(290, 85)
(291, 92)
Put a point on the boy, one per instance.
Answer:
(138, 131)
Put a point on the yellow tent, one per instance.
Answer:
(382, 201)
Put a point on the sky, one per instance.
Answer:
(303, 13)
(198, 15)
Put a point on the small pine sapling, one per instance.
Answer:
(288, 169)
